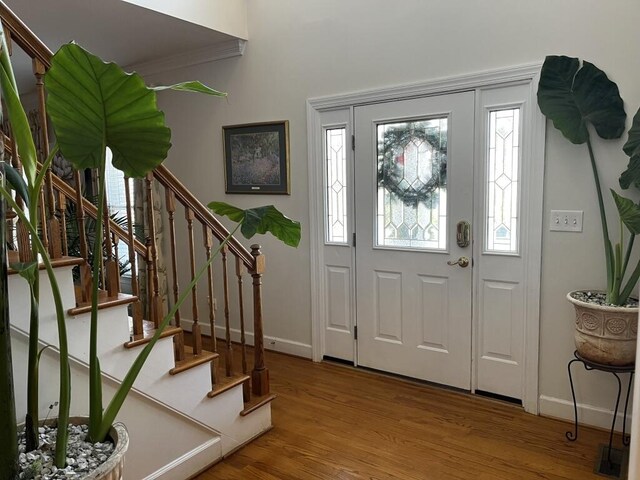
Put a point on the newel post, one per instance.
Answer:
(260, 373)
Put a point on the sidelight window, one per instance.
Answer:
(503, 181)
(335, 153)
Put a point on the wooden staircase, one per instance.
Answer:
(214, 389)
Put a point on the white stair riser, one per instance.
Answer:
(19, 299)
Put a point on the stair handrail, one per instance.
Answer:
(35, 48)
(24, 37)
(163, 175)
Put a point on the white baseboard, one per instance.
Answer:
(190, 463)
(270, 343)
(587, 414)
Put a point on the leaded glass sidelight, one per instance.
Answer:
(336, 185)
(503, 160)
(412, 184)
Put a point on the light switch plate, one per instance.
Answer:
(565, 220)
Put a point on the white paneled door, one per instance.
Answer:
(428, 264)
(413, 188)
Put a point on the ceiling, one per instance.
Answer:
(112, 29)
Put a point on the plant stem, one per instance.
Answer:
(630, 285)
(608, 250)
(628, 254)
(95, 379)
(31, 419)
(8, 430)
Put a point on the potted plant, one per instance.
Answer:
(93, 106)
(581, 100)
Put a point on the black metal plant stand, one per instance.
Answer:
(615, 371)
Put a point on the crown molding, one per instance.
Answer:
(210, 53)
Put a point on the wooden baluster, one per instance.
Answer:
(151, 305)
(12, 225)
(178, 340)
(195, 329)
(44, 231)
(260, 373)
(136, 308)
(228, 353)
(52, 222)
(111, 267)
(246, 392)
(208, 243)
(62, 207)
(116, 254)
(12, 255)
(85, 268)
(171, 211)
(151, 221)
(23, 242)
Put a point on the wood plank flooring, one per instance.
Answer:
(340, 423)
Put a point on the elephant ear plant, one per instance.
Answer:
(93, 106)
(581, 100)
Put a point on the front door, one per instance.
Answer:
(413, 188)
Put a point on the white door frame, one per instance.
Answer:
(526, 74)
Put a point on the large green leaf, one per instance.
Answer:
(629, 213)
(16, 182)
(261, 220)
(572, 97)
(93, 104)
(632, 174)
(27, 270)
(17, 117)
(632, 146)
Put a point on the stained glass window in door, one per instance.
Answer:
(336, 185)
(503, 160)
(412, 184)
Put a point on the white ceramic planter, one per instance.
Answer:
(605, 334)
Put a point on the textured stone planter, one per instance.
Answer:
(605, 334)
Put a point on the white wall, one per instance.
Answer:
(301, 49)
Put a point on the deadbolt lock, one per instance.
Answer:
(463, 233)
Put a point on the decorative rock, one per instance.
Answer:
(82, 456)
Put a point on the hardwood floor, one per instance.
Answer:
(337, 422)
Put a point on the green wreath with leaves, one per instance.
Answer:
(391, 167)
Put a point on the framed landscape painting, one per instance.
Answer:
(257, 158)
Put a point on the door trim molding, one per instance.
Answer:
(472, 81)
(524, 74)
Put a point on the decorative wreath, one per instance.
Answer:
(391, 168)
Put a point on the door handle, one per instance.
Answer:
(462, 262)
